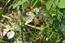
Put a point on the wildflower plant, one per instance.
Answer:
(35, 21)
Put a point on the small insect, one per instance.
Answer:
(38, 21)
(32, 16)
(38, 16)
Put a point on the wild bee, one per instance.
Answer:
(38, 20)
(34, 16)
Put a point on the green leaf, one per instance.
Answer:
(17, 4)
(56, 2)
(1, 12)
(61, 4)
(35, 3)
(49, 4)
(25, 5)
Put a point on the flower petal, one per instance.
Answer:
(10, 34)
